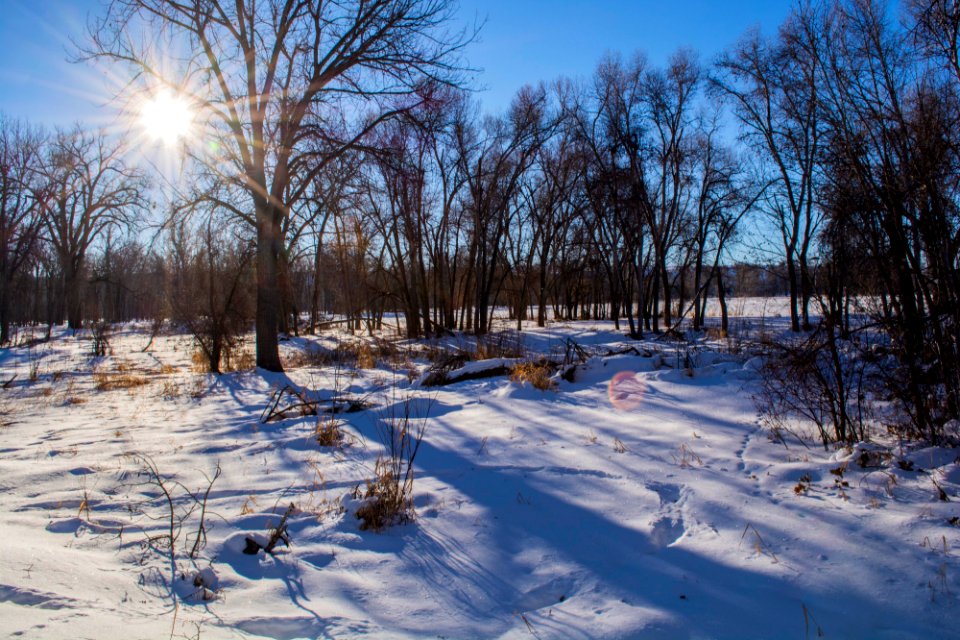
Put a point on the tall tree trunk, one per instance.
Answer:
(806, 290)
(793, 282)
(722, 299)
(667, 298)
(699, 294)
(5, 285)
(315, 293)
(73, 284)
(268, 291)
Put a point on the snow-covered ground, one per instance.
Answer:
(641, 500)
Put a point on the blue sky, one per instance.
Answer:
(525, 41)
(522, 41)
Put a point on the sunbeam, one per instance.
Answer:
(166, 117)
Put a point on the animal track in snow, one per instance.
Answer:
(668, 526)
(547, 594)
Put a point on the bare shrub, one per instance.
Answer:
(210, 292)
(388, 498)
(183, 517)
(819, 377)
(100, 333)
(503, 344)
(310, 356)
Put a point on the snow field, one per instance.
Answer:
(654, 509)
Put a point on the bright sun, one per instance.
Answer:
(166, 117)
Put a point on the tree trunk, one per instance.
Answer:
(699, 294)
(722, 299)
(5, 312)
(667, 297)
(268, 291)
(806, 291)
(794, 293)
(73, 283)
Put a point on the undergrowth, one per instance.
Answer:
(105, 381)
(388, 497)
(537, 374)
(328, 431)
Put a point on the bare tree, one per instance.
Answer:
(894, 181)
(86, 189)
(401, 197)
(209, 292)
(723, 196)
(611, 130)
(559, 202)
(773, 87)
(936, 30)
(20, 220)
(267, 74)
(494, 161)
(669, 96)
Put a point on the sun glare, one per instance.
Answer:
(166, 117)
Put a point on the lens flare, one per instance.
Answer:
(166, 117)
(626, 391)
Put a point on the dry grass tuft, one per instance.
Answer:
(248, 506)
(386, 502)
(112, 381)
(365, 357)
(199, 362)
(388, 499)
(328, 431)
(240, 359)
(171, 390)
(537, 374)
(310, 356)
(686, 457)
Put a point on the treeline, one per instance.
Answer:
(620, 195)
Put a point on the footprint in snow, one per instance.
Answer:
(548, 594)
(668, 526)
(667, 530)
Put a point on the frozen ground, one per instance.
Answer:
(653, 506)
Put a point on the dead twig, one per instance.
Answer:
(201, 540)
(277, 535)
